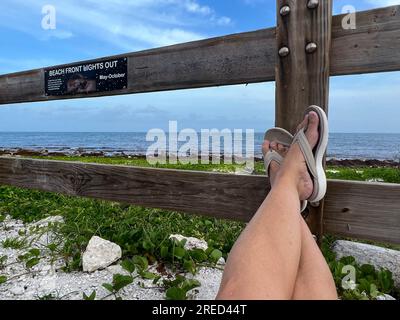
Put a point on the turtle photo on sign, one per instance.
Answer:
(87, 78)
(78, 83)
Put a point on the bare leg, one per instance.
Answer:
(263, 263)
(266, 259)
(314, 279)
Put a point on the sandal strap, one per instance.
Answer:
(280, 136)
(270, 156)
(301, 139)
(303, 205)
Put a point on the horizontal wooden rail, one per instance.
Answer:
(219, 195)
(240, 58)
(374, 46)
(353, 209)
(363, 210)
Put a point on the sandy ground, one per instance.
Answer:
(46, 279)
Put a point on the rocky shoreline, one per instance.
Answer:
(357, 163)
(18, 152)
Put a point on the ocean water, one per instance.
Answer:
(341, 145)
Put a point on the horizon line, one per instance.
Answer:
(257, 132)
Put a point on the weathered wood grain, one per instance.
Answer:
(374, 46)
(234, 59)
(240, 58)
(302, 78)
(352, 209)
(363, 210)
(219, 195)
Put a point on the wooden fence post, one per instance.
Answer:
(302, 72)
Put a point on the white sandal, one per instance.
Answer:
(314, 158)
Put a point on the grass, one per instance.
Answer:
(388, 175)
(145, 232)
(137, 230)
(141, 162)
(14, 243)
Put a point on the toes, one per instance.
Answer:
(303, 124)
(312, 128)
(313, 120)
(281, 148)
(265, 146)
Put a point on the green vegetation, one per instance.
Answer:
(370, 282)
(178, 288)
(119, 282)
(31, 258)
(137, 230)
(3, 260)
(143, 233)
(388, 175)
(141, 162)
(13, 243)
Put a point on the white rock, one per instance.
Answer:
(210, 280)
(244, 171)
(221, 261)
(191, 243)
(46, 268)
(368, 254)
(332, 171)
(17, 290)
(45, 222)
(48, 284)
(117, 269)
(100, 254)
(385, 297)
(70, 285)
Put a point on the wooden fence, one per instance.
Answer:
(352, 209)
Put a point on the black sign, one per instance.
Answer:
(107, 75)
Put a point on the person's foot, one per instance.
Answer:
(274, 166)
(294, 163)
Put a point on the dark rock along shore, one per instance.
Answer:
(351, 163)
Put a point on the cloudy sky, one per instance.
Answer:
(88, 29)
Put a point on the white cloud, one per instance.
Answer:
(194, 7)
(224, 21)
(157, 37)
(58, 34)
(384, 3)
(129, 24)
(15, 65)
